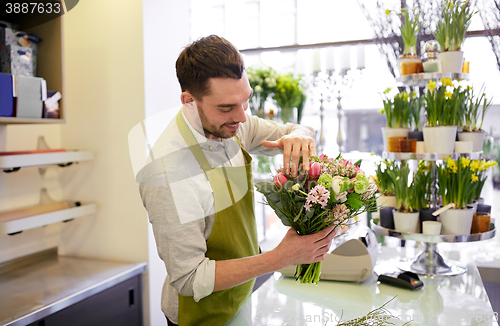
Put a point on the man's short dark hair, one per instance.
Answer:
(208, 57)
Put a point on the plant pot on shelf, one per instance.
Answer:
(387, 218)
(418, 135)
(456, 221)
(426, 215)
(409, 64)
(476, 137)
(440, 139)
(406, 222)
(451, 61)
(386, 201)
(393, 132)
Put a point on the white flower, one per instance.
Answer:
(342, 197)
(336, 184)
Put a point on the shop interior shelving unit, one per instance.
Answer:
(429, 261)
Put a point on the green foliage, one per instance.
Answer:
(399, 110)
(384, 181)
(445, 105)
(404, 190)
(475, 110)
(289, 94)
(451, 30)
(409, 30)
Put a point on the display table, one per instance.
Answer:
(451, 300)
(47, 285)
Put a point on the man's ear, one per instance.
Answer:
(186, 97)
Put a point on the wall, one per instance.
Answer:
(104, 93)
(166, 32)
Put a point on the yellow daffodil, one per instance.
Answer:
(446, 81)
(431, 86)
(450, 163)
(413, 94)
(381, 111)
(448, 95)
(387, 90)
(455, 169)
(474, 178)
(474, 166)
(482, 165)
(387, 12)
(469, 88)
(465, 162)
(405, 96)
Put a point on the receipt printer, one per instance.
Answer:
(353, 260)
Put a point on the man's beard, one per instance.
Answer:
(212, 129)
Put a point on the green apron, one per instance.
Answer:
(234, 235)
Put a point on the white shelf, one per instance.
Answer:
(429, 156)
(42, 159)
(35, 221)
(423, 78)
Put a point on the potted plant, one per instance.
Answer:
(450, 34)
(422, 184)
(475, 110)
(398, 113)
(289, 96)
(445, 106)
(405, 214)
(409, 61)
(416, 104)
(456, 180)
(262, 79)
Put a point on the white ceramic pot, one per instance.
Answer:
(456, 221)
(431, 227)
(420, 147)
(463, 147)
(406, 222)
(440, 140)
(451, 61)
(386, 201)
(393, 132)
(473, 205)
(476, 137)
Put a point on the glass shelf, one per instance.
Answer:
(423, 78)
(429, 156)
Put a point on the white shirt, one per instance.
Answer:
(179, 200)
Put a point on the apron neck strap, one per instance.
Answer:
(195, 148)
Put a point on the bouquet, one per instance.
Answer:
(332, 192)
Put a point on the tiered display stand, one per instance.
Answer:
(429, 261)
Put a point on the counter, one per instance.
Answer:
(37, 287)
(456, 300)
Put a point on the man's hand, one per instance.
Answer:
(299, 140)
(297, 249)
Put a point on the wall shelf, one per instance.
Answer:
(10, 162)
(18, 225)
(14, 120)
(423, 78)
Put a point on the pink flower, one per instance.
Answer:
(322, 156)
(314, 169)
(318, 195)
(343, 161)
(280, 179)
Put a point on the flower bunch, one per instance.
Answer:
(262, 79)
(400, 109)
(451, 30)
(289, 94)
(445, 103)
(332, 192)
(459, 180)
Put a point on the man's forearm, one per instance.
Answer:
(230, 273)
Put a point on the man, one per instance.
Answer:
(198, 190)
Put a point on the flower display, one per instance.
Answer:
(445, 104)
(332, 192)
(262, 79)
(460, 179)
(289, 94)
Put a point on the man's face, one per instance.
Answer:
(223, 110)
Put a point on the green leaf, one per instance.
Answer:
(354, 201)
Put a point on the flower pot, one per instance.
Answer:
(416, 134)
(386, 201)
(406, 222)
(476, 137)
(410, 65)
(420, 147)
(387, 218)
(456, 221)
(393, 132)
(473, 206)
(431, 227)
(463, 147)
(440, 140)
(426, 215)
(482, 208)
(451, 61)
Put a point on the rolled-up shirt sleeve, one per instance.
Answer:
(176, 211)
